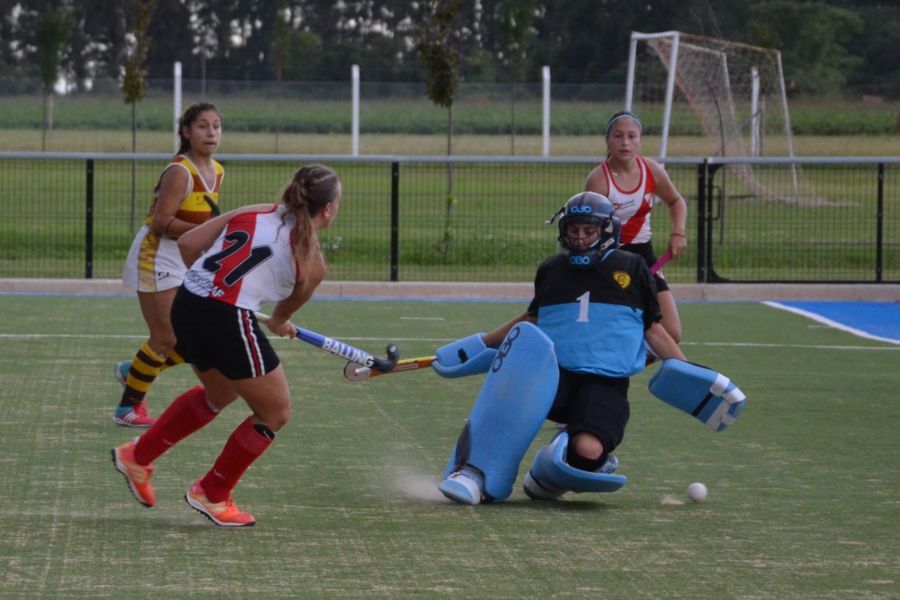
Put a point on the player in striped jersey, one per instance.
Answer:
(631, 182)
(186, 195)
(255, 254)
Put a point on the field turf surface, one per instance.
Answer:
(803, 488)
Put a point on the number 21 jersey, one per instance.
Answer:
(251, 262)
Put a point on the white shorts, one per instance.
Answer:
(154, 263)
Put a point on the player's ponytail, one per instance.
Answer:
(311, 189)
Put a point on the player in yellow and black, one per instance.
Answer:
(187, 195)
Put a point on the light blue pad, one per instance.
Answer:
(551, 470)
(700, 392)
(468, 356)
(514, 401)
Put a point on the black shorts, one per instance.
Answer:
(594, 403)
(645, 251)
(216, 335)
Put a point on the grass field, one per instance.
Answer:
(803, 488)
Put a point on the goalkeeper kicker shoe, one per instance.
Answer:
(133, 416)
(137, 476)
(609, 467)
(539, 490)
(464, 486)
(224, 514)
(122, 369)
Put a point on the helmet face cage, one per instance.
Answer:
(596, 209)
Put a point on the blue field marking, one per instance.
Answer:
(873, 320)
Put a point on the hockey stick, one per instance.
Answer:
(216, 211)
(343, 349)
(660, 262)
(357, 372)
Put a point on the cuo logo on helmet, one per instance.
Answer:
(584, 208)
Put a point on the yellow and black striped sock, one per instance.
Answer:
(172, 360)
(145, 367)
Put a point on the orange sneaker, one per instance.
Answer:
(137, 476)
(225, 513)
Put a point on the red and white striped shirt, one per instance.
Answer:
(633, 206)
(251, 262)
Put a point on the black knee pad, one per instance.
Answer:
(264, 431)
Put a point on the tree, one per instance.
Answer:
(173, 40)
(52, 33)
(440, 53)
(280, 58)
(877, 45)
(516, 18)
(812, 38)
(135, 16)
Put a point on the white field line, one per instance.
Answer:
(101, 336)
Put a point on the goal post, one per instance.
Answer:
(670, 80)
(718, 97)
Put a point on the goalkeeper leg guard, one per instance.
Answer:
(514, 401)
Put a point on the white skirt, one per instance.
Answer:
(154, 263)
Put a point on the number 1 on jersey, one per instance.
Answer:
(584, 301)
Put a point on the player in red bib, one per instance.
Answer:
(239, 260)
(631, 182)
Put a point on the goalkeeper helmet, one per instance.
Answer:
(594, 209)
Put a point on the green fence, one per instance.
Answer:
(474, 218)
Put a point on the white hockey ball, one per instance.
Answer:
(697, 492)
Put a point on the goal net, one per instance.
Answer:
(710, 97)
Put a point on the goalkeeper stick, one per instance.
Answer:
(357, 372)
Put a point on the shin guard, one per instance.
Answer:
(510, 408)
(188, 413)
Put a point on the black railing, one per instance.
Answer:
(752, 220)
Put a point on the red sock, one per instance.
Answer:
(245, 445)
(187, 413)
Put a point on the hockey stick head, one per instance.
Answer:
(387, 364)
(355, 371)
